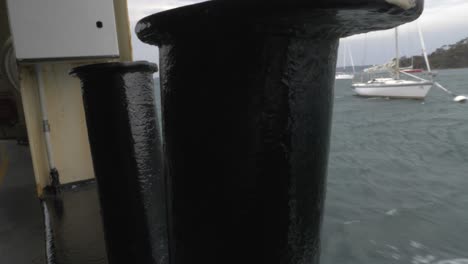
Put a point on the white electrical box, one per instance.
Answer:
(63, 29)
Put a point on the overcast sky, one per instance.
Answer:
(443, 22)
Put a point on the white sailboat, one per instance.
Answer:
(394, 86)
(345, 75)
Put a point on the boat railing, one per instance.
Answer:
(365, 77)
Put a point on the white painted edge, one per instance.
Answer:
(405, 4)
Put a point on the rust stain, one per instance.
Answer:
(39, 191)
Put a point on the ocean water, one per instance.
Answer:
(398, 178)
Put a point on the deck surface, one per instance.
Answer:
(21, 219)
(77, 226)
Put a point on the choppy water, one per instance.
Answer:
(398, 179)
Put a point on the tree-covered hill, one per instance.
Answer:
(445, 57)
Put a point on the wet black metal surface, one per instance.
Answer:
(247, 94)
(246, 154)
(303, 18)
(74, 233)
(21, 221)
(122, 127)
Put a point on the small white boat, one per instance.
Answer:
(394, 87)
(344, 76)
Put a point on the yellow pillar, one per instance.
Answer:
(64, 105)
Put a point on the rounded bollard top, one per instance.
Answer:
(337, 18)
(114, 67)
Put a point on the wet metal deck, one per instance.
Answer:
(76, 225)
(74, 216)
(21, 219)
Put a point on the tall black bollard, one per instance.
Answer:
(122, 127)
(247, 93)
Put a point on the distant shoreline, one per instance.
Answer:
(447, 57)
(339, 69)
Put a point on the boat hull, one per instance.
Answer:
(413, 70)
(414, 91)
(344, 77)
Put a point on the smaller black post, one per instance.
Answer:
(123, 133)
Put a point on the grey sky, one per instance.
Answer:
(443, 22)
(139, 9)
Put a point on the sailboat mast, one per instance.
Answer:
(344, 57)
(352, 60)
(423, 46)
(397, 48)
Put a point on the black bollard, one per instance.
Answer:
(123, 133)
(247, 94)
